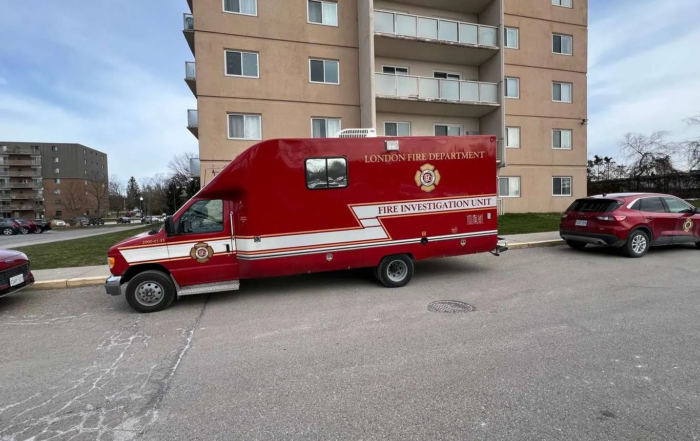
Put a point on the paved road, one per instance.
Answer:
(22, 240)
(563, 345)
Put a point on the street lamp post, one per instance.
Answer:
(141, 198)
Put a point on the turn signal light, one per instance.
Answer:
(612, 218)
(111, 262)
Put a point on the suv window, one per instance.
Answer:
(652, 205)
(676, 206)
(594, 205)
(203, 217)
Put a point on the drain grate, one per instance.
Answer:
(450, 307)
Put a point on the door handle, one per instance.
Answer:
(650, 218)
(228, 248)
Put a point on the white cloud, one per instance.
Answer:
(644, 72)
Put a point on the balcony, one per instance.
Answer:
(191, 76)
(415, 37)
(32, 185)
(193, 122)
(5, 196)
(30, 196)
(434, 96)
(23, 162)
(24, 174)
(20, 151)
(21, 207)
(188, 29)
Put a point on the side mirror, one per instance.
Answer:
(170, 226)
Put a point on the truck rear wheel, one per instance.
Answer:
(395, 271)
(150, 291)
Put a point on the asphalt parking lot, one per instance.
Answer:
(58, 235)
(562, 345)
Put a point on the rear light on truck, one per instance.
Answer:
(612, 218)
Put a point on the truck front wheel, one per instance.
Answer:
(150, 291)
(395, 271)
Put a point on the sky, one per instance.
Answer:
(109, 74)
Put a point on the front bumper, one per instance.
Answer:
(609, 240)
(113, 286)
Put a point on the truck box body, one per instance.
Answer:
(292, 206)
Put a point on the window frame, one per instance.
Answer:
(447, 74)
(326, 158)
(257, 56)
(571, 187)
(571, 37)
(571, 92)
(505, 91)
(519, 137)
(560, 5)
(505, 37)
(397, 128)
(324, 60)
(223, 9)
(308, 15)
(571, 139)
(408, 70)
(244, 115)
(461, 128)
(520, 190)
(326, 119)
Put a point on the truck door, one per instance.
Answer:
(203, 251)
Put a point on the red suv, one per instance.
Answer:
(630, 221)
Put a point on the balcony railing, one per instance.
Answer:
(31, 185)
(406, 25)
(21, 207)
(188, 22)
(435, 89)
(190, 70)
(6, 150)
(22, 162)
(28, 196)
(192, 119)
(24, 174)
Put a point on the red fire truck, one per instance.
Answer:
(293, 206)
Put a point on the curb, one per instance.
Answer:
(540, 244)
(67, 283)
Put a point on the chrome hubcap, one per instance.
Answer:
(397, 271)
(8, 232)
(639, 244)
(149, 293)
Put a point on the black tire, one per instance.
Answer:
(8, 231)
(153, 285)
(38, 231)
(24, 231)
(576, 245)
(395, 271)
(697, 244)
(637, 244)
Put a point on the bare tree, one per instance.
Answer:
(117, 194)
(75, 198)
(648, 155)
(179, 166)
(691, 147)
(98, 191)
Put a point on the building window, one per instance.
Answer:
(245, 7)
(56, 181)
(397, 129)
(509, 187)
(55, 159)
(395, 70)
(84, 152)
(103, 166)
(59, 213)
(447, 75)
(244, 127)
(54, 148)
(561, 139)
(562, 44)
(242, 64)
(512, 87)
(57, 191)
(563, 3)
(561, 186)
(324, 71)
(85, 182)
(85, 161)
(325, 13)
(56, 170)
(324, 127)
(513, 137)
(561, 92)
(326, 173)
(511, 38)
(85, 172)
(448, 130)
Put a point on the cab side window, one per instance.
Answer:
(203, 217)
(676, 206)
(325, 173)
(652, 205)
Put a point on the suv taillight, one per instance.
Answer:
(564, 215)
(612, 218)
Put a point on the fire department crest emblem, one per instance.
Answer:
(427, 178)
(688, 226)
(201, 252)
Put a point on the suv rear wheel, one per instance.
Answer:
(150, 291)
(637, 244)
(8, 231)
(576, 245)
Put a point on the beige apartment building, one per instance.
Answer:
(308, 68)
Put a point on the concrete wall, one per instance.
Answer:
(426, 69)
(536, 189)
(425, 11)
(423, 125)
(545, 11)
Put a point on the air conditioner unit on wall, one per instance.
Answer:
(357, 133)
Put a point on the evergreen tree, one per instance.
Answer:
(133, 193)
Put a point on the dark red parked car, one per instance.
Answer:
(633, 222)
(15, 273)
(27, 226)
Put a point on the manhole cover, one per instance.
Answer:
(450, 306)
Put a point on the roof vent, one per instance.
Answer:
(357, 133)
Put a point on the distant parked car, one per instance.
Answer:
(124, 220)
(43, 225)
(82, 221)
(96, 221)
(58, 223)
(14, 272)
(26, 226)
(8, 227)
